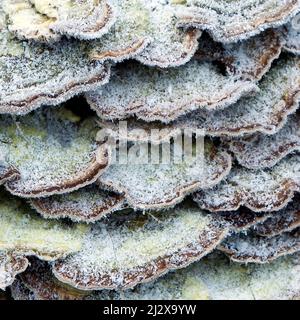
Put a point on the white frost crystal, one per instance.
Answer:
(214, 278)
(10, 265)
(234, 20)
(42, 20)
(164, 95)
(148, 28)
(155, 186)
(134, 248)
(255, 248)
(52, 151)
(87, 204)
(261, 151)
(261, 190)
(48, 240)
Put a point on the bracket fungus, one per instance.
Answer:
(88, 204)
(266, 190)
(262, 151)
(127, 250)
(160, 185)
(47, 21)
(53, 151)
(215, 278)
(253, 248)
(232, 21)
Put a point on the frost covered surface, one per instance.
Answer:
(32, 75)
(148, 29)
(43, 20)
(40, 284)
(48, 240)
(285, 220)
(127, 37)
(53, 152)
(134, 248)
(262, 151)
(87, 204)
(169, 46)
(164, 95)
(156, 186)
(254, 248)
(234, 20)
(10, 266)
(7, 172)
(214, 278)
(261, 190)
(266, 112)
(249, 59)
(293, 38)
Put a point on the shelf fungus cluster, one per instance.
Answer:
(149, 149)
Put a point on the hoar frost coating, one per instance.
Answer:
(147, 31)
(87, 204)
(266, 112)
(52, 150)
(42, 20)
(214, 278)
(32, 75)
(234, 20)
(261, 190)
(127, 37)
(164, 95)
(38, 283)
(48, 240)
(285, 220)
(293, 37)
(253, 248)
(249, 59)
(261, 151)
(127, 250)
(155, 186)
(10, 266)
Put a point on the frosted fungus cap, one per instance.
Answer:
(88, 204)
(48, 240)
(285, 220)
(164, 95)
(232, 21)
(214, 278)
(261, 151)
(53, 151)
(10, 266)
(47, 21)
(163, 184)
(253, 248)
(32, 75)
(147, 30)
(266, 112)
(130, 249)
(265, 190)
